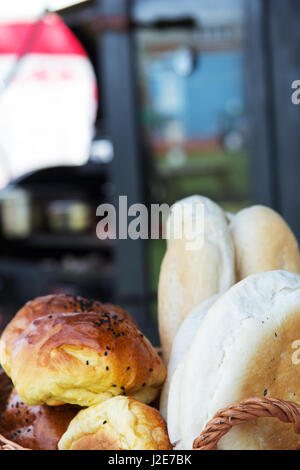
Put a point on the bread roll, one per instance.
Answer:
(35, 427)
(42, 306)
(174, 403)
(181, 344)
(244, 348)
(83, 359)
(188, 277)
(263, 242)
(120, 423)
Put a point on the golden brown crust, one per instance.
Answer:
(35, 427)
(83, 359)
(120, 423)
(47, 305)
(97, 441)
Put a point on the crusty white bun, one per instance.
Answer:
(263, 242)
(120, 423)
(181, 344)
(245, 347)
(193, 272)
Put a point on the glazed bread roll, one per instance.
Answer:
(190, 276)
(263, 242)
(40, 307)
(35, 427)
(120, 423)
(245, 347)
(181, 344)
(83, 359)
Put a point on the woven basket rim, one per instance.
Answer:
(240, 413)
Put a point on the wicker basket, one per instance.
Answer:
(253, 408)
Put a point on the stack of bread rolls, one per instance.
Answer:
(255, 240)
(84, 375)
(236, 342)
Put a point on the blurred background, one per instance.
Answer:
(153, 99)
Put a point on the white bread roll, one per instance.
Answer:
(188, 277)
(245, 347)
(174, 403)
(263, 242)
(181, 344)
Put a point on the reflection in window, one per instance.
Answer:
(192, 88)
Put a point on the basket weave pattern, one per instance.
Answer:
(253, 408)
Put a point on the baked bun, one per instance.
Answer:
(42, 306)
(191, 273)
(263, 242)
(245, 347)
(35, 427)
(83, 359)
(120, 423)
(181, 344)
